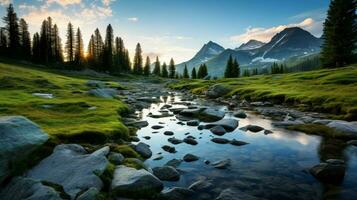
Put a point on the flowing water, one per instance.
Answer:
(273, 166)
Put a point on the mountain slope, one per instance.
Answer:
(251, 44)
(207, 52)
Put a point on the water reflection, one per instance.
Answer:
(273, 166)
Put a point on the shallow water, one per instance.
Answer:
(273, 166)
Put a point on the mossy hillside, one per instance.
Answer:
(69, 113)
(332, 91)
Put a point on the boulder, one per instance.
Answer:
(190, 157)
(232, 194)
(228, 124)
(220, 140)
(240, 114)
(217, 90)
(169, 149)
(237, 142)
(252, 128)
(95, 84)
(133, 183)
(166, 173)
(19, 137)
(218, 130)
(73, 168)
(174, 140)
(107, 93)
(174, 162)
(116, 158)
(193, 123)
(347, 128)
(331, 171)
(168, 133)
(143, 149)
(175, 193)
(201, 185)
(210, 114)
(138, 124)
(190, 140)
(222, 164)
(27, 188)
(90, 194)
(156, 127)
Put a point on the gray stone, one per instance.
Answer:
(210, 114)
(217, 90)
(220, 140)
(143, 149)
(168, 133)
(116, 158)
(174, 162)
(331, 171)
(18, 138)
(231, 194)
(193, 123)
(222, 164)
(237, 142)
(28, 189)
(190, 157)
(169, 149)
(285, 124)
(240, 114)
(129, 182)
(228, 124)
(138, 124)
(156, 127)
(190, 140)
(201, 185)
(158, 158)
(252, 128)
(348, 128)
(322, 121)
(166, 173)
(174, 140)
(175, 193)
(218, 130)
(107, 93)
(70, 166)
(90, 194)
(95, 84)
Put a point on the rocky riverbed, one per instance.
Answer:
(193, 147)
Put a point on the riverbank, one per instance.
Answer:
(331, 91)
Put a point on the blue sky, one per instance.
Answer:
(177, 29)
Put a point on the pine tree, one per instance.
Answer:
(127, 62)
(246, 72)
(340, 34)
(98, 51)
(138, 60)
(119, 55)
(199, 72)
(235, 69)
(108, 50)
(204, 71)
(45, 48)
(172, 69)
(157, 70)
(185, 72)
(79, 52)
(25, 40)
(193, 74)
(12, 28)
(147, 66)
(70, 43)
(3, 41)
(90, 51)
(229, 68)
(36, 48)
(57, 45)
(164, 72)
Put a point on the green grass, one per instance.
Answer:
(332, 91)
(68, 116)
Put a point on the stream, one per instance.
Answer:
(270, 166)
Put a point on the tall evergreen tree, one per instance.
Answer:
(127, 62)
(3, 41)
(193, 74)
(57, 45)
(70, 43)
(12, 28)
(235, 69)
(164, 72)
(108, 49)
(90, 51)
(229, 68)
(45, 47)
(25, 40)
(138, 60)
(199, 72)
(36, 48)
(172, 69)
(157, 70)
(98, 45)
(185, 72)
(79, 52)
(147, 66)
(119, 55)
(340, 34)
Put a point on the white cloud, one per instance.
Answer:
(107, 2)
(265, 34)
(133, 19)
(5, 2)
(64, 2)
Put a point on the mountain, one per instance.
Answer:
(291, 42)
(207, 52)
(251, 44)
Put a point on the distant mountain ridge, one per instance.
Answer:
(291, 42)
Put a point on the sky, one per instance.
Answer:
(175, 28)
